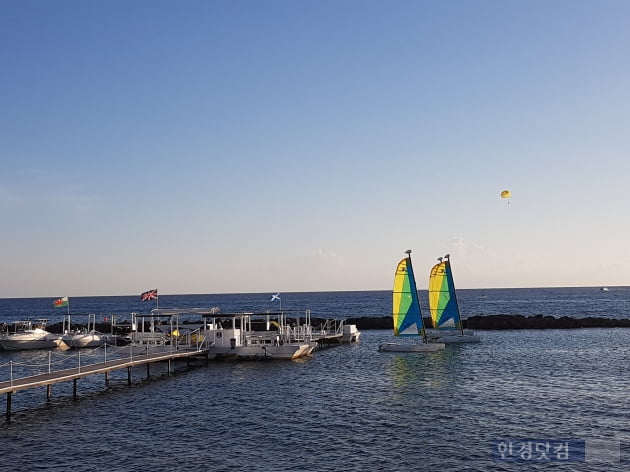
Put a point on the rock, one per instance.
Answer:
(504, 322)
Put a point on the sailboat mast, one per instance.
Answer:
(415, 288)
(450, 272)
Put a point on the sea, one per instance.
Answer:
(519, 400)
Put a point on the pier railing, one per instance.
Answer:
(305, 332)
(13, 369)
(330, 327)
(86, 357)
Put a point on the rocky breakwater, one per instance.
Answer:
(541, 322)
(504, 322)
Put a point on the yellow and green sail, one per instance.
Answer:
(406, 309)
(442, 299)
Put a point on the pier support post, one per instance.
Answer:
(48, 392)
(169, 367)
(107, 378)
(74, 389)
(128, 375)
(9, 406)
(148, 370)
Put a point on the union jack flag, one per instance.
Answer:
(149, 295)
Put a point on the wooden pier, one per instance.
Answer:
(75, 373)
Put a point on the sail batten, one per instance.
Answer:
(442, 299)
(406, 306)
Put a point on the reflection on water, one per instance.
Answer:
(434, 370)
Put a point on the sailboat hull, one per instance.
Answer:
(428, 347)
(455, 339)
(452, 336)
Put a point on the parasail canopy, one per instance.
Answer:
(506, 194)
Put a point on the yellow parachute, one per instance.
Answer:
(506, 194)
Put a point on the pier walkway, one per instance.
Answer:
(48, 379)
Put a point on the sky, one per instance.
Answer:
(303, 145)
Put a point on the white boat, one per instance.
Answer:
(85, 336)
(87, 339)
(444, 309)
(29, 335)
(406, 312)
(238, 340)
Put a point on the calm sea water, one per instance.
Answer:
(348, 408)
(573, 302)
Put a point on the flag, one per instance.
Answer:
(149, 295)
(60, 302)
(275, 297)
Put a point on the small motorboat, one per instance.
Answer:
(29, 335)
(85, 336)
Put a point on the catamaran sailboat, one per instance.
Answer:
(406, 312)
(444, 309)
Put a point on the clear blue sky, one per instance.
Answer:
(263, 146)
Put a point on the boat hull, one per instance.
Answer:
(261, 352)
(436, 333)
(36, 338)
(86, 340)
(9, 344)
(452, 336)
(456, 339)
(424, 347)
